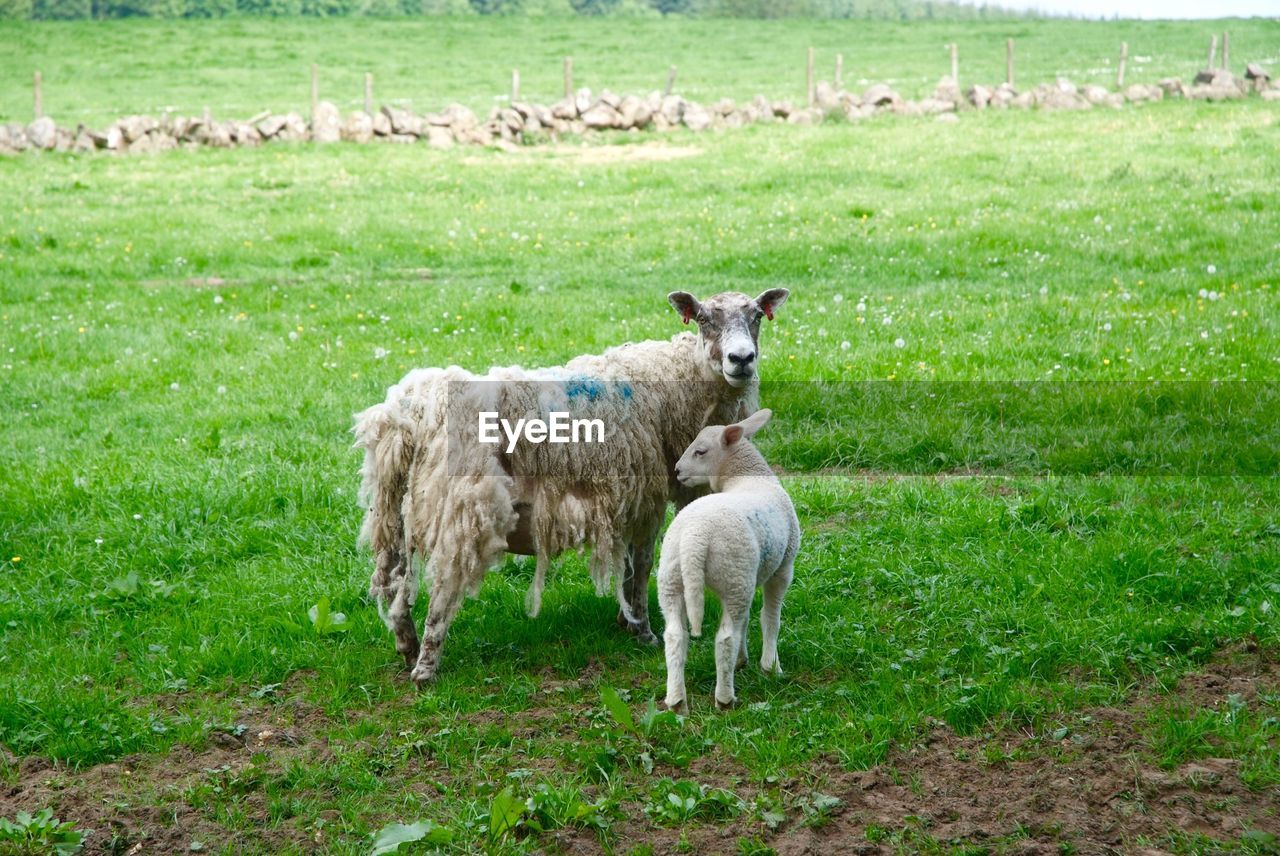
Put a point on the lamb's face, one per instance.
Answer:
(729, 328)
(700, 460)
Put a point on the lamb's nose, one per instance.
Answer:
(742, 358)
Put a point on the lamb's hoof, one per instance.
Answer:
(774, 669)
(410, 658)
(681, 707)
(726, 705)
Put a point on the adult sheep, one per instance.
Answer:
(433, 490)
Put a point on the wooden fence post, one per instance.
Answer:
(1008, 62)
(1124, 58)
(671, 81)
(368, 92)
(1226, 50)
(839, 72)
(955, 63)
(1213, 51)
(515, 84)
(810, 86)
(315, 92)
(37, 95)
(568, 77)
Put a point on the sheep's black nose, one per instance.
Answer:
(742, 358)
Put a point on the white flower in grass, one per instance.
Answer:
(839, 298)
(1044, 289)
(222, 390)
(899, 342)
(217, 298)
(97, 541)
(174, 386)
(137, 517)
(861, 307)
(380, 353)
(1106, 328)
(1203, 293)
(293, 335)
(1204, 334)
(888, 319)
(846, 345)
(1211, 269)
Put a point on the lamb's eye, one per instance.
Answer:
(699, 452)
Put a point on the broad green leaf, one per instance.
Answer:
(504, 813)
(618, 708)
(391, 836)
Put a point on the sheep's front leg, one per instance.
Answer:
(636, 591)
(775, 589)
(727, 646)
(446, 598)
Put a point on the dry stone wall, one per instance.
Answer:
(525, 122)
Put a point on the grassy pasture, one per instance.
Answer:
(185, 336)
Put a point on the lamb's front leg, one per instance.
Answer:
(636, 591)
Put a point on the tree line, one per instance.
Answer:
(897, 10)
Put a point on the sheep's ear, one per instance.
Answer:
(732, 434)
(771, 301)
(685, 303)
(755, 422)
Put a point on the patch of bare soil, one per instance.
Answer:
(1098, 790)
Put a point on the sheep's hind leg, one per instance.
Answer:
(636, 590)
(446, 598)
(400, 615)
(391, 587)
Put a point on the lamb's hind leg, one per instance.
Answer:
(446, 598)
(775, 589)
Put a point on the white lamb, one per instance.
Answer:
(742, 536)
(431, 489)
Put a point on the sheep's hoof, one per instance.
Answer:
(726, 705)
(410, 657)
(422, 676)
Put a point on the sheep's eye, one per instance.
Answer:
(699, 452)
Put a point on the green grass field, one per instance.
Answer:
(185, 337)
(99, 72)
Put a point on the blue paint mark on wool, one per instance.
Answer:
(583, 386)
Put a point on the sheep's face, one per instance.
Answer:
(729, 328)
(703, 460)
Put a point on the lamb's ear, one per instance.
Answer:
(755, 422)
(686, 304)
(771, 301)
(732, 434)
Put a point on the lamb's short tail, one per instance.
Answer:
(693, 574)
